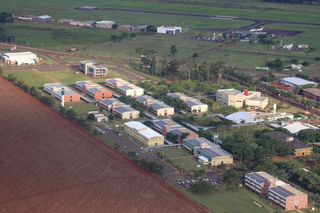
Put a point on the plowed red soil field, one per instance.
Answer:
(49, 164)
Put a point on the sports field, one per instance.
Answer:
(50, 164)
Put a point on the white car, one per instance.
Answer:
(187, 181)
(193, 181)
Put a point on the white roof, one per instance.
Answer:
(298, 81)
(143, 129)
(297, 127)
(203, 158)
(104, 22)
(44, 17)
(238, 116)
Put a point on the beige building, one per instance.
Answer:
(206, 151)
(159, 108)
(143, 134)
(235, 98)
(117, 107)
(194, 105)
(125, 87)
(93, 68)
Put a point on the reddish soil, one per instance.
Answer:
(281, 86)
(279, 158)
(49, 164)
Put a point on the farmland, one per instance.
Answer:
(49, 160)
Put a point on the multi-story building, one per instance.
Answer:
(54, 89)
(313, 93)
(206, 151)
(143, 133)
(159, 108)
(93, 68)
(167, 125)
(193, 105)
(117, 107)
(298, 148)
(93, 90)
(276, 190)
(126, 88)
(235, 98)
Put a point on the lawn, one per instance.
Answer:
(30, 77)
(239, 200)
(204, 121)
(81, 108)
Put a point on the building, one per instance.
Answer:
(193, 105)
(296, 82)
(273, 116)
(298, 148)
(167, 125)
(93, 68)
(65, 21)
(143, 134)
(93, 90)
(117, 107)
(19, 58)
(209, 150)
(277, 191)
(235, 98)
(105, 24)
(303, 46)
(89, 23)
(75, 23)
(296, 127)
(98, 116)
(126, 88)
(54, 89)
(125, 27)
(168, 30)
(42, 19)
(241, 117)
(139, 28)
(312, 93)
(158, 108)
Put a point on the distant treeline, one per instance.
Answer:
(291, 1)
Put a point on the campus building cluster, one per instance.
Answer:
(277, 191)
(158, 108)
(93, 90)
(237, 99)
(207, 152)
(54, 89)
(126, 88)
(193, 104)
(143, 134)
(164, 126)
(298, 148)
(93, 68)
(19, 58)
(117, 107)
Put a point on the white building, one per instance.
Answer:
(168, 29)
(125, 87)
(296, 82)
(19, 58)
(296, 127)
(241, 117)
(105, 24)
(194, 105)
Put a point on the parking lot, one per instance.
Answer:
(190, 182)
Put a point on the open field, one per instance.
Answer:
(81, 108)
(49, 160)
(30, 77)
(228, 132)
(240, 200)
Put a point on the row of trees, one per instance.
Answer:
(122, 36)
(292, 1)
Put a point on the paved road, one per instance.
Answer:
(257, 22)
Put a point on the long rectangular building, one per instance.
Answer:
(54, 89)
(93, 90)
(206, 151)
(194, 105)
(143, 133)
(125, 87)
(277, 191)
(19, 58)
(159, 108)
(117, 107)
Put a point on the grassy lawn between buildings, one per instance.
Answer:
(30, 77)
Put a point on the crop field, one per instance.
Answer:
(49, 164)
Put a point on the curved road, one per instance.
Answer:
(257, 22)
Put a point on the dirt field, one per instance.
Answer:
(49, 164)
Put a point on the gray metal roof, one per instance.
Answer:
(57, 85)
(258, 178)
(159, 105)
(110, 101)
(281, 191)
(298, 81)
(123, 109)
(255, 98)
(193, 102)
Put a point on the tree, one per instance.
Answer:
(172, 69)
(294, 61)
(48, 100)
(71, 114)
(231, 178)
(114, 26)
(202, 187)
(111, 117)
(148, 123)
(151, 29)
(142, 114)
(194, 56)
(114, 38)
(196, 174)
(305, 63)
(222, 166)
(91, 117)
(133, 35)
(317, 59)
(184, 135)
(153, 66)
(173, 50)
(250, 41)
(172, 137)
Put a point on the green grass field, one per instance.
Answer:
(225, 133)
(81, 108)
(240, 200)
(30, 77)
